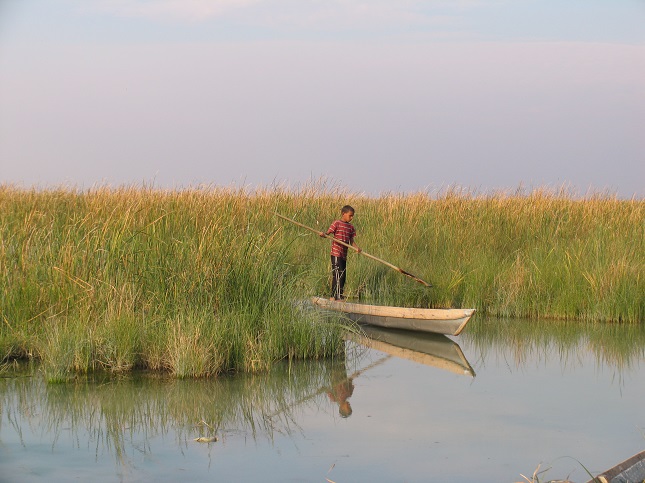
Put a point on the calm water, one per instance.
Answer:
(499, 401)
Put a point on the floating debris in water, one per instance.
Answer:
(206, 439)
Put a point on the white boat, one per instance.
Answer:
(438, 321)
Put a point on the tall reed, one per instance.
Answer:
(537, 255)
(203, 281)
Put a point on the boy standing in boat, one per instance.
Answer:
(344, 231)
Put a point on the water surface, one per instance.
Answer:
(499, 401)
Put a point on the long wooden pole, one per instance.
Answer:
(362, 252)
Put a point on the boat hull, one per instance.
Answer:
(437, 321)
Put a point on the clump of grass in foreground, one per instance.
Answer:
(535, 477)
(202, 281)
(186, 282)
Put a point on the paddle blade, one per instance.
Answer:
(414, 277)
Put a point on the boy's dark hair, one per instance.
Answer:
(347, 209)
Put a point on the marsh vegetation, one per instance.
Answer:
(203, 281)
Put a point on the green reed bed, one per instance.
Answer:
(536, 255)
(198, 282)
(187, 282)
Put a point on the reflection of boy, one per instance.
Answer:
(344, 231)
(342, 389)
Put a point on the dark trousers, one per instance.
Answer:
(338, 272)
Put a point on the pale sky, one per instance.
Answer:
(376, 96)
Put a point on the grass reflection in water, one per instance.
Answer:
(615, 346)
(138, 423)
(113, 413)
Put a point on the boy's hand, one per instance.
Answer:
(322, 235)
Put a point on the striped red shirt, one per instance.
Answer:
(344, 232)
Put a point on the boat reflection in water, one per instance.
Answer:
(434, 350)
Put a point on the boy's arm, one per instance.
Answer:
(358, 249)
(330, 231)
